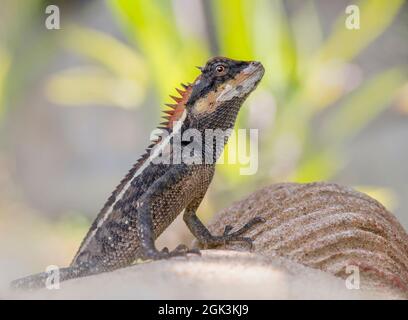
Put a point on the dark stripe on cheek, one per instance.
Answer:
(200, 90)
(210, 82)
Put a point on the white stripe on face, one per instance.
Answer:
(242, 84)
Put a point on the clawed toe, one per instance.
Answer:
(228, 237)
(180, 251)
(235, 235)
(248, 241)
(257, 220)
(227, 229)
(237, 238)
(194, 251)
(251, 223)
(183, 250)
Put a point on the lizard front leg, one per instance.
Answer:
(203, 235)
(145, 227)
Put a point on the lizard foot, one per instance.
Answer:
(183, 249)
(180, 251)
(228, 237)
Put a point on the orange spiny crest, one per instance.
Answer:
(178, 108)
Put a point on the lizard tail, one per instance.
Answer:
(49, 279)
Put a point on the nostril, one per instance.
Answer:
(253, 66)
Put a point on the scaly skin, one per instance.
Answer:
(153, 194)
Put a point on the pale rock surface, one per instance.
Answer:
(327, 227)
(218, 274)
(312, 233)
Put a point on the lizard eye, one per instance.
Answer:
(220, 70)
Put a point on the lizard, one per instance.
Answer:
(154, 193)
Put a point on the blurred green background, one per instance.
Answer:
(77, 105)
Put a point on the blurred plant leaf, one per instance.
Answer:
(5, 61)
(328, 82)
(363, 106)
(233, 29)
(308, 34)
(151, 25)
(346, 120)
(119, 80)
(402, 99)
(329, 72)
(93, 86)
(119, 58)
(375, 17)
(274, 45)
(320, 166)
(385, 196)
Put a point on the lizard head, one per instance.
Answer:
(214, 98)
(223, 80)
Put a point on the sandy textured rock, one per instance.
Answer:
(216, 275)
(326, 227)
(311, 234)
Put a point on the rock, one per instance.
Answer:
(217, 274)
(327, 227)
(319, 241)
